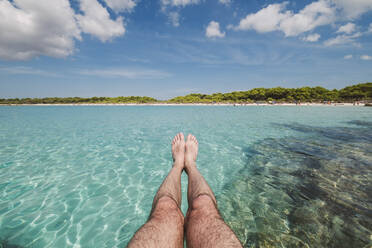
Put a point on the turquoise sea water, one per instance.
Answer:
(85, 176)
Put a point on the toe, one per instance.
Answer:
(181, 136)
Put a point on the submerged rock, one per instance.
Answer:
(312, 192)
(5, 244)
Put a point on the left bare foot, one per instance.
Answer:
(178, 149)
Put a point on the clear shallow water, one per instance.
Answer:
(283, 176)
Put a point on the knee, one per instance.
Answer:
(166, 209)
(203, 205)
(203, 202)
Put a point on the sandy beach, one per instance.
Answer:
(194, 104)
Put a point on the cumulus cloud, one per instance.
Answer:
(353, 8)
(313, 15)
(342, 39)
(366, 57)
(347, 28)
(265, 20)
(121, 5)
(97, 22)
(349, 56)
(34, 28)
(275, 17)
(213, 30)
(312, 37)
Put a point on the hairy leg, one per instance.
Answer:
(165, 225)
(204, 225)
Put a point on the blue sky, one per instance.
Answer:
(165, 48)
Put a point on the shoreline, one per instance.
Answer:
(190, 104)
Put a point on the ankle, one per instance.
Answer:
(178, 163)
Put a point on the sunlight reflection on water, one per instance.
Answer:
(283, 176)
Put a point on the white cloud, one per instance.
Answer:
(312, 37)
(265, 20)
(366, 57)
(171, 8)
(174, 18)
(342, 39)
(353, 8)
(275, 17)
(349, 56)
(34, 28)
(181, 3)
(313, 15)
(130, 73)
(97, 22)
(213, 30)
(225, 2)
(347, 28)
(121, 5)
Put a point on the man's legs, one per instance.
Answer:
(165, 225)
(204, 225)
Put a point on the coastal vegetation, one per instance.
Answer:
(358, 92)
(305, 94)
(79, 100)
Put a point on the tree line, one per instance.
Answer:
(352, 93)
(304, 94)
(79, 100)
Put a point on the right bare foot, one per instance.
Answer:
(178, 150)
(191, 151)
